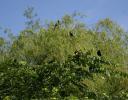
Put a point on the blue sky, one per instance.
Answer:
(11, 11)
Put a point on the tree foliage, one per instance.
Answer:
(65, 60)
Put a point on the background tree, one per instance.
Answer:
(32, 22)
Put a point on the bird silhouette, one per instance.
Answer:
(71, 34)
(99, 53)
(56, 24)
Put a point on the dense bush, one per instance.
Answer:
(65, 60)
(52, 79)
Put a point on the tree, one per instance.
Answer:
(70, 62)
(32, 23)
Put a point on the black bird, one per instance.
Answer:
(99, 53)
(71, 34)
(14, 60)
(91, 69)
(57, 24)
(77, 52)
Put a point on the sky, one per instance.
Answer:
(11, 11)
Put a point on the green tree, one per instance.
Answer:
(32, 22)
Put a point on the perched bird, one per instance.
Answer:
(71, 34)
(92, 69)
(14, 60)
(99, 53)
(78, 54)
(57, 24)
(58, 21)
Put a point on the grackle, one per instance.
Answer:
(71, 34)
(57, 24)
(99, 53)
